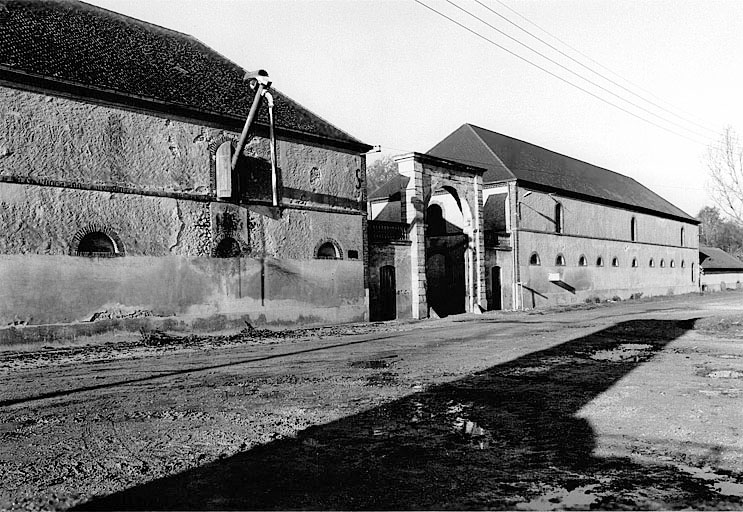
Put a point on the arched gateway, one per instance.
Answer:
(440, 202)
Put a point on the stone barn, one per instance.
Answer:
(531, 228)
(112, 133)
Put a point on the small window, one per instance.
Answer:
(353, 254)
(682, 237)
(615, 262)
(672, 264)
(683, 264)
(560, 260)
(692, 272)
(96, 244)
(662, 263)
(582, 261)
(534, 259)
(633, 229)
(599, 261)
(634, 262)
(558, 218)
(327, 251)
(651, 263)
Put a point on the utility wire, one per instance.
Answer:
(557, 76)
(640, 88)
(618, 96)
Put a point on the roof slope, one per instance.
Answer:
(712, 258)
(71, 42)
(508, 158)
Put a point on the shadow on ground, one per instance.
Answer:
(493, 439)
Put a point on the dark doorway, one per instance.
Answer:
(96, 244)
(227, 248)
(495, 293)
(446, 280)
(387, 293)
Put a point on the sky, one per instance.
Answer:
(395, 74)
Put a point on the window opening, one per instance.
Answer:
(672, 264)
(582, 261)
(651, 263)
(96, 244)
(560, 260)
(353, 254)
(634, 262)
(682, 237)
(599, 261)
(327, 251)
(558, 218)
(615, 262)
(633, 229)
(662, 263)
(534, 259)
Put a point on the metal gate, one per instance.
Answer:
(387, 293)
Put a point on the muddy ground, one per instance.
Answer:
(633, 405)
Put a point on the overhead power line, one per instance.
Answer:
(562, 79)
(578, 75)
(682, 118)
(638, 87)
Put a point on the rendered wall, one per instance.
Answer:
(62, 289)
(714, 281)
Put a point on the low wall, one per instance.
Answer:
(39, 290)
(714, 282)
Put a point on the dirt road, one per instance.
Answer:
(632, 405)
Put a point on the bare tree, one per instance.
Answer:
(725, 164)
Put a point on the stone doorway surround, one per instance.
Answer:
(425, 176)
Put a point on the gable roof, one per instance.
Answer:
(506, 158)
(83, 50)
(712, 258)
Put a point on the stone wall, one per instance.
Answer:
(70, 167)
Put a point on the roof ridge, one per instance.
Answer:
(490, 150)
(120, 15)
(552, 151)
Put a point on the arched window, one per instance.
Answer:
(558, 218)
(662, 263)
(634, 262)
(651, 263)
(633, 229)
(560, 260)
(683, 264)
(682, 237)
(582, 261)
(599, 261)
(228, 247)
(435, 220)
(615, 262)
(672, 264)
(534, 259)
(327, 251)
(96, 244)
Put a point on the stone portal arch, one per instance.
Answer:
(429, 180)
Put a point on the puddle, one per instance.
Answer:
(722, 483)
(725, 374)
(623, 352)
(580, 498)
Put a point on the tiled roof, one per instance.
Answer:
(508, 158)
(99, 51)
(712, 258)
